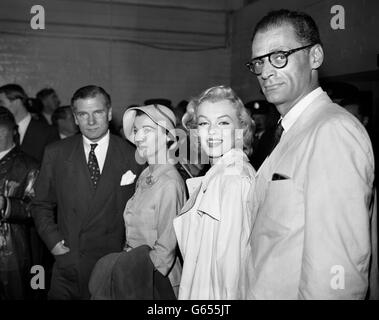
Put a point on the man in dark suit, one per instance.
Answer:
(81, 177)
(35, 135)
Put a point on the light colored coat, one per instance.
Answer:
(311, 237)
(213, 230)
(149, 214)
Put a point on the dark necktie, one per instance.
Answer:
(278, 133)
(93, 165)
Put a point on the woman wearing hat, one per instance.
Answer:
(159, 197)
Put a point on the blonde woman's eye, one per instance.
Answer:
(224, 123)
(200, 124)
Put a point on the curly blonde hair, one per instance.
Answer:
(217, 94)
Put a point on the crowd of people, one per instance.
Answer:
(213, 199)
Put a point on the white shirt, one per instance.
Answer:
(100, 150)
(23, 126)
(290, 118)
(4, 153)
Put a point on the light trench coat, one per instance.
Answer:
(213, 230)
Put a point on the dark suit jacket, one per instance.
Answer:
(262, 147)
(37, 136)
(89, 221)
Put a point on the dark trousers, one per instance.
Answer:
(65, 284)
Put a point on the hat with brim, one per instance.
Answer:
(160, 115)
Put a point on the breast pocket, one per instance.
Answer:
(283, 205)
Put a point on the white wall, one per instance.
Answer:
(111, 44)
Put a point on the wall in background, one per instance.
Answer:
(347, 51)
(134, 49)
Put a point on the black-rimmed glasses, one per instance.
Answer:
(278, 59)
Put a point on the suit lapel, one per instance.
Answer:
(296, 133)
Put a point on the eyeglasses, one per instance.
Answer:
(278, 59)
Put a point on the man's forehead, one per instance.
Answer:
(274, 38)
(91, 102)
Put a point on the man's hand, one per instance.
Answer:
(60, 249)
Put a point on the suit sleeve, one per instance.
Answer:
(164, 249)
(44, 203)
(338, 194)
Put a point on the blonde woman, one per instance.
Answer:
(215, 224)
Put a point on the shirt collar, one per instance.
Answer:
(104, 140)
(23, 125)
(290, 118)
(234, 157)
(25, 121)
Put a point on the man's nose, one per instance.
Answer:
(139, 136)
(267, 70)
(91, 119)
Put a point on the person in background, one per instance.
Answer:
(265, 120)
(81, 183)
(35, 135)
(149, 267)
(50, 102)
(356, 107)
(214, 226)
(315, 233)
(63, 119)
(18, 172)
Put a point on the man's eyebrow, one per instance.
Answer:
(280, 48)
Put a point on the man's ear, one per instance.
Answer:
(316, 56)
(110, 114)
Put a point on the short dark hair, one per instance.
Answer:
(60, 113)
(42, 94)
(91, 91)
(305, 27)
(14, 91)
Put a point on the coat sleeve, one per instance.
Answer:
(231, 246)
(18, 205)
(164, 250)
(338, 194)
(44, 203)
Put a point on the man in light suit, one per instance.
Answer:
(81, 177)
(314, 193)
